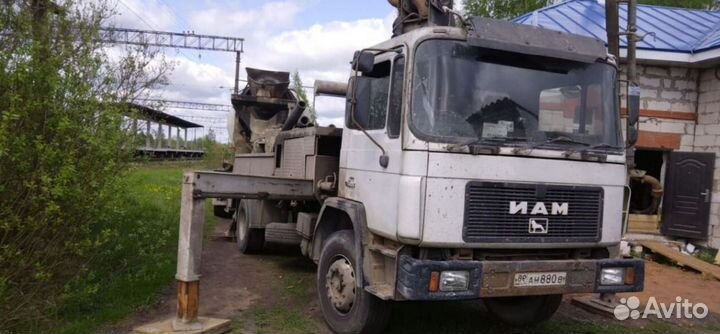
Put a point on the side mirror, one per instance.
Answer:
(358, 93)
(363, 61)
(633, 104)
(632, 136)
(633, 107)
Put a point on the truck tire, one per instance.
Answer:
(249, 240)
(346, 307)
(523, 311)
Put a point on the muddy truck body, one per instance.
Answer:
(482, 162)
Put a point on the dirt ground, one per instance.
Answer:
(275, 293)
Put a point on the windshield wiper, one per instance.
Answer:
(491, 144)
(600, 146)
(558, 139)
(498, 139)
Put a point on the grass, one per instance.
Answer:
(289, 313)
(146, 252)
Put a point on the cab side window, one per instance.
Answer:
(377, 89)
(396, 91)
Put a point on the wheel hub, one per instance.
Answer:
(340, 284)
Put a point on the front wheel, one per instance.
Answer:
(347, 307)
(249, 240)
(522, 311)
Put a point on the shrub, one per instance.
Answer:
(61, 152)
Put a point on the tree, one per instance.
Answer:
(62, 150)
(508, 9)
(297, 85)
(697, 4)
(503, 9)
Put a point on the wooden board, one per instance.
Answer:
(205, 326)
(683, 259)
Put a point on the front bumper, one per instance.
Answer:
(495, 278)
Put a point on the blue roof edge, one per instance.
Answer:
(694, 48)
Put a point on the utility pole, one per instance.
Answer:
(632, 78)
(612, 25)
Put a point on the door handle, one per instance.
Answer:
(706, 193)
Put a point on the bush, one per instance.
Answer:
(61, 156)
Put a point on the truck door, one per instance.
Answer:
(688, 188)
(362, 178)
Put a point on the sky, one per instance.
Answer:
(315, 37)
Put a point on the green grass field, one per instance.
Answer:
(146, 252)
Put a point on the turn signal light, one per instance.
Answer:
(630, 276)
(434, 285)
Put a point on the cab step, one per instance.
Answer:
(384, 250)
(382, 291)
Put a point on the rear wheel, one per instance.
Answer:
(526, 310)
(346, 307)
(249, 240)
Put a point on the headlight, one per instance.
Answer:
(612, 276)
(454, 281)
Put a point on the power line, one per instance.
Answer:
(177, 15)
(148, 24)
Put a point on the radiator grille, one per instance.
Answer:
(488, 218)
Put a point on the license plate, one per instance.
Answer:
(540, 279)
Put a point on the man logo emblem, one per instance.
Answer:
(538, 226)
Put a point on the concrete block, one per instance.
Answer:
(684, 84)
(650, 125)
(649, 82)
(672, 127)
(658, 105)
(711, 129)
(715, 221)
(691, 96)
(657, 71)
(686, 148)
(705, 140)
(683, 107)
(671, 95)
(687, 140)
(708, 118)
(693, 74)
(715, 243)
(710, 97)
(690, 129)
(679, 72)
(707, 74)
(649, 93)
(667, 83)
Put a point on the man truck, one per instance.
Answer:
(479, 160)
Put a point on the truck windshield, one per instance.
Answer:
(464, 94)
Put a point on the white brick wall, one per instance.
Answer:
(708, 140)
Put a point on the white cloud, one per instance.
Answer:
(222, 21)
(142, 14)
